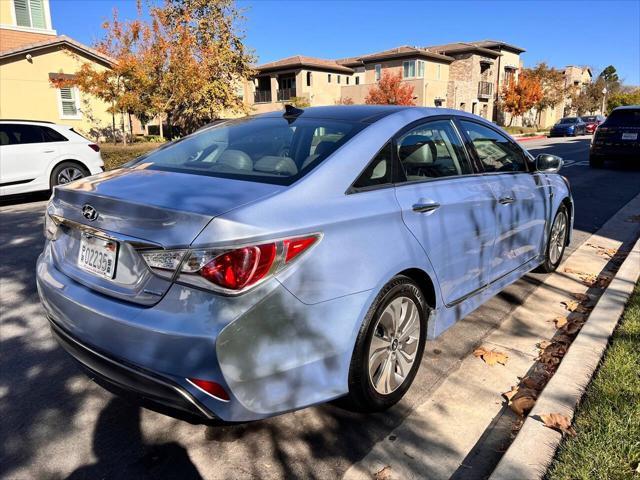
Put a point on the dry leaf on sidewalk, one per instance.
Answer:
(543, 344)
(491, 357)
(558, 422)
(573, 327)
(510, 394)
(523, 401)
(581, 297)
(574, 306)
(560, 321)
(383, 474)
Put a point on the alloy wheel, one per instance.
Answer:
(69, 174)
(394, 345)
(558, 237)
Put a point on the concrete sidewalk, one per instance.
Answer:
(464, 427)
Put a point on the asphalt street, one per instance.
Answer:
(56, 423)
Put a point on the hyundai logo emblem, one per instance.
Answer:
(89, 212)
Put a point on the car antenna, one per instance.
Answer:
(291, 112)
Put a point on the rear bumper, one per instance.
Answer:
(268, 350)
(617, 150)
(137, 384)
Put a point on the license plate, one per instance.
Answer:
(629, 136)
(98, 256)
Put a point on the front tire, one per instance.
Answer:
(389, 347)
(557, 242)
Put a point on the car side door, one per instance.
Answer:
(446, 205)
(26, 154)
(522, 208)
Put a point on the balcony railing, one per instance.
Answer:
(286, 94)
(262, 96)
(485, 89)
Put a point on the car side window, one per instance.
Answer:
(50, 135)
(18, 134)
(432, 150)
(378, 172)
(496, 152)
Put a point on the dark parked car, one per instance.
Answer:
(569, 126)
(617, 137)
(593, 121)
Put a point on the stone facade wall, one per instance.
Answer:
(465, 74)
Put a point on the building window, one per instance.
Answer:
(308, 79)
(378, 69)
(338, 78)
(69, 107)
(30, 13)
(409, 69)
(508, 75)
(357, 80)
(329, 78)
(420, 69)
(347, 80)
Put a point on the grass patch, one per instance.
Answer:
(608, 421)
(115, 155)
(522, 130)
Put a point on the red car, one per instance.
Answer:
(592, 122)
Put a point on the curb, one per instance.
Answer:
(533, 449)
(526, 139)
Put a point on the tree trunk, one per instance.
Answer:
(113, 127)
(511, 119)
(161, 128)
(124, 132)
(130, 127)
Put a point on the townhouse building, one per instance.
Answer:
(466, 76)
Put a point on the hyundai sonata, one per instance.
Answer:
(273, 262)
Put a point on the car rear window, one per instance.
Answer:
(569, 120)
(624, 118)
(269, 150)
(589, 119)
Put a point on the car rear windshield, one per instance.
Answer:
(624, 118)
(269, 150)
(569, 120)
(589, 119)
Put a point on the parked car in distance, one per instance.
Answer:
(618, 138)
(38, 156)
(273, 262)
(592, 122)
(568, 127)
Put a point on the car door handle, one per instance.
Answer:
(425, 207)
(48, 151)
(506, 200)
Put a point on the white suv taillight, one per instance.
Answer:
(231, 270)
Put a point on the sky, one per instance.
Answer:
(593, 33)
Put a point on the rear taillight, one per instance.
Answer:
(94, 147)
(230, 270)
(211, 388)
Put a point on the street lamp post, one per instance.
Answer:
(604, 96)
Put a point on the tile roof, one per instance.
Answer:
(304, 61)
(402, 51)
(462, 47)
(60, 40)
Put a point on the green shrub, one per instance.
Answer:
(115, 155)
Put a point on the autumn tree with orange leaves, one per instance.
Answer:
(521, 95)
(182, 60)
(390, 91)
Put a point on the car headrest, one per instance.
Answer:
(420, 151)
(236, 159)
(276, 165)
(324, 147)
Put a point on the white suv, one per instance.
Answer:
(40, 155)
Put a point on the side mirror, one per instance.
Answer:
(548, 163)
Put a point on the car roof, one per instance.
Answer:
(627, 107)
(365, 113)
(17, 120)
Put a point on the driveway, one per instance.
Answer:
(58, 424)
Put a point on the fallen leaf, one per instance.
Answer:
(535, 382)
(572, 327)
(491, 357)
(560, 321)
(543, 344)
(510, 394)
(563, 339)
(558, 422)
(523, 401)
(574, 306)
(383, 474)
(581, 297)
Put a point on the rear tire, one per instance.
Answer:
(66, 172)
(556, 243)
(389, 347)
